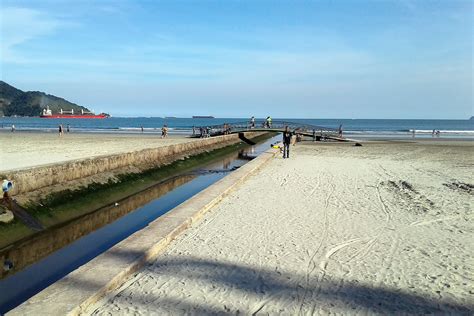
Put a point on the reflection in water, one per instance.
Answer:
(43, 244)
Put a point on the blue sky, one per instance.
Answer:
(305, 59)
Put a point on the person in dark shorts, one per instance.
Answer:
(286, 142)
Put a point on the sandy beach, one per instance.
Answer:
(27, 149)
(383, 228)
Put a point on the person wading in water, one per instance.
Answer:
(286, 142)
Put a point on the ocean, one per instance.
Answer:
(371, 128)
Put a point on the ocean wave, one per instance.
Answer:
(458, 132)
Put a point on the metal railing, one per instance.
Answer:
(263, 125)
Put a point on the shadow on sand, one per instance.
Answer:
(273, 292)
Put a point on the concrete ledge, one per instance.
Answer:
(86, 285)
(31, 179)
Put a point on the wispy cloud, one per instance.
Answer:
(20, 25)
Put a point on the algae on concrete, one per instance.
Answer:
(61, 207)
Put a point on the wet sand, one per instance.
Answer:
(27, 149)
(383, 228)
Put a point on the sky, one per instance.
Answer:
(288, 59)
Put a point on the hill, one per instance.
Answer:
(31, 103)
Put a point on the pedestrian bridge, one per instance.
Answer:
(299, 128)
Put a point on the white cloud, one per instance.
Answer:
(20, 25)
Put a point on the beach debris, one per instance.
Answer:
(358, 145)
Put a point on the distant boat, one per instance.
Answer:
(203, 117)
(47, 113)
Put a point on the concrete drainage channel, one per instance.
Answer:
(103, 259)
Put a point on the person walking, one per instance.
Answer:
(252, 122)
(164, 131)
(340, 131)
(60, 129)
(13, 128)
(286, 142)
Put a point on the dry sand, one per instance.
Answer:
(24, 149)
(383, 228)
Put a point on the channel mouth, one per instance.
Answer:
(132, 214)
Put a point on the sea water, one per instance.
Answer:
(356, 127)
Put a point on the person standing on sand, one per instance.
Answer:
(252, 122)
(164, 131)
(13, 128)
(67, 129)
(60, 130)
(340, 131)
(286, 142)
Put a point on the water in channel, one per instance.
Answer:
(133, 214)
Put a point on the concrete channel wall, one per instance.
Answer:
(78, 291)
(31, 179)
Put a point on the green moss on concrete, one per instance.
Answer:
(63, 206)
(51, 209)
(12, 232)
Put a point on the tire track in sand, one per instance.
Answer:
(312, 264)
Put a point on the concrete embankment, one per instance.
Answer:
(30, 250)
(83, 287)
(47, 179)
(54, 177)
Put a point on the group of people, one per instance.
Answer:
(265, 124)
(434, 133)
(204, 132)
(164, 131)
(61, 129)
(226, 129)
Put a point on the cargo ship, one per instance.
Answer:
(203, 117)
(47, 113)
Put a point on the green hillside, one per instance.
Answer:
(31, 103)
